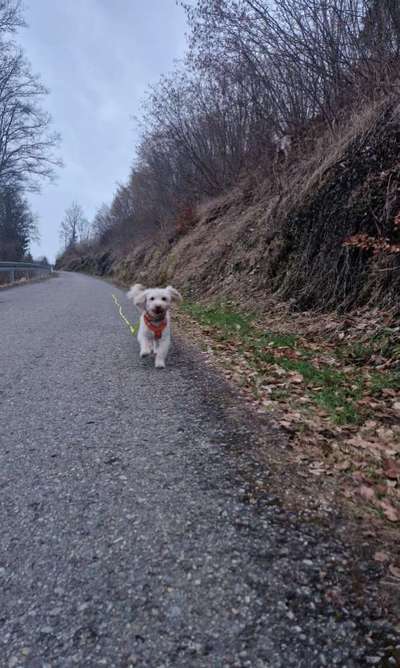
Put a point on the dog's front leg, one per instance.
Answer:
(145, 349)
(145, 343)
(161, 351)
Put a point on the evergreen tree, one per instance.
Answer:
(17, 225)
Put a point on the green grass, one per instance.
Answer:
(229, 321)
(332, 390)
(275, 339)
(339, 404)
(384, 380)
(223, 318)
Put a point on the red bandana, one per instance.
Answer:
(156, 327)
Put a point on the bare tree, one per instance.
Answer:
(83, 229)
(10, 16)
(102, 222)
(73, 226)
(27, 143)
(260, 76)
(308, 58)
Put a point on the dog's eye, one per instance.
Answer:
(164, 299)
(152, 299)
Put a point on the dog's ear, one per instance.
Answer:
(174, 294)
(138, 295)
(135, 290)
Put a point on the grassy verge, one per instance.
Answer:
(335, 388)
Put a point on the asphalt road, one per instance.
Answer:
(128, 533)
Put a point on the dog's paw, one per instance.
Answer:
(145, 353)
(160, 364)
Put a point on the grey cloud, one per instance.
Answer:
(97, 57)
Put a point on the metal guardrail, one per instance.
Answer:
(31, 269)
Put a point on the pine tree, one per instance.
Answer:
(17, 225)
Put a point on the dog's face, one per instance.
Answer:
(155, 301)
(158, 301)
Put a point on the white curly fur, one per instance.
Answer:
(156, 303)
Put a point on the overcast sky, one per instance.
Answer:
(97, 58)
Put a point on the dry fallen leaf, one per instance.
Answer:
(366, 492)
(287, 425)
(296, 377)
(343, 466)
(395, 571)
(391, 469)
(359, 442)
(381, 557)
(385, 434)
(390, 512)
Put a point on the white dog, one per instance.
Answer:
(154, 333)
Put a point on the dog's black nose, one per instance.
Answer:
(159, 309)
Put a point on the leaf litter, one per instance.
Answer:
(332, 383)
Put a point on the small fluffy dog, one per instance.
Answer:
(154, 333)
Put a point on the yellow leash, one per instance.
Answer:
(133, 328)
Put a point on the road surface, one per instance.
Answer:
(127, 538)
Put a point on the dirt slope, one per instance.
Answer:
(283, 233)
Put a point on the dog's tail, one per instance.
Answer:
(135, 291)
